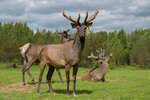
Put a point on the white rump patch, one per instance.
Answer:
(24, 49)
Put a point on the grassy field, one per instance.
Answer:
(124, 83)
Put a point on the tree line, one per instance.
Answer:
(127, 49)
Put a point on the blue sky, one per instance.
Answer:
(46, 14)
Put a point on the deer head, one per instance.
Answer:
(81, 27)
(64, 33)
(107, 58)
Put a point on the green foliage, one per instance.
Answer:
(140, 48)
(15, 35)
(134, 65)
(15, 61)
(112, 67)
(127, 49)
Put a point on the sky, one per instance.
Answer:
(46, 14)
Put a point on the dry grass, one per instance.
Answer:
(18, 87)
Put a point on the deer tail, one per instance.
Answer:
(24, 49)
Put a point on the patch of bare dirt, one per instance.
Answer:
(18, 87)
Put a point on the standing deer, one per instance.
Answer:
(97, 74)
(30, 53)
(65, 55)
(64, 38)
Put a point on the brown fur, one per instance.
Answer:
(86, 75)
(97, 74)
(65, 55)
(30, 53)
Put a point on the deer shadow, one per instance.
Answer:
(30, 83)
(63, 91)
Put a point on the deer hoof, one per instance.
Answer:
(45, 82)
(38, 93)
(33, 81)
(68, 94)
(74, 94)
(52, 92)
(24, 84)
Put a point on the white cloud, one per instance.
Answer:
(113, 14)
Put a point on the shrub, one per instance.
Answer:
(112, 67)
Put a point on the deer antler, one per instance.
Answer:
(97, 51)
(92, 17)
(100, 56)
(86, 17)
(92, 56)
(70, 18)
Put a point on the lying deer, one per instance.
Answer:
(30, 53)
(65, 55)
(97, 74)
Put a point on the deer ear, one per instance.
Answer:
(89, 24)
(73, 25)
(60, 33)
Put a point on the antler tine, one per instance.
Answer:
(86, 17)
(78, 20)
(97, 51)
(100, 54)
(93, 16)
(92, 56)
(103, 52)
(68, 17)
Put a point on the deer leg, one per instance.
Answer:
(23, 75)
(24, 62)
(26, 68)
(45, 81)
(29, 73)
(75, 70)
(103, 79)
(32, 78)
(67, 79)
(42, 67)
(49, 76)
(58, 71)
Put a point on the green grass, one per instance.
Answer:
(124, 83)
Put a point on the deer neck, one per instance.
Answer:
(79, 43)
(107, 58)
(104, 67)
